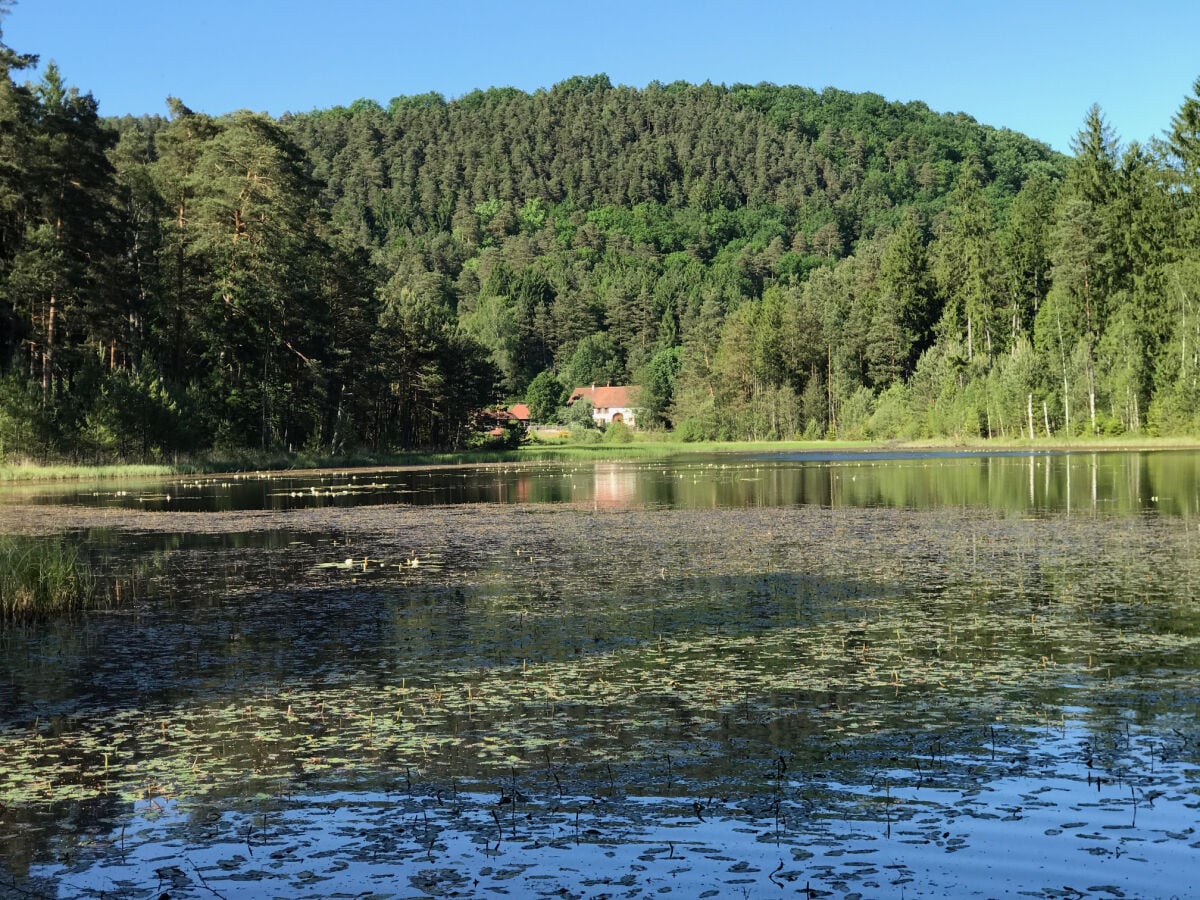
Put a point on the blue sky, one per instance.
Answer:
(1034, 67)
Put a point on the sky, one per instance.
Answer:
(1034, 67)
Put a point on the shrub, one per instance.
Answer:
(618, 433)
(854, 422)
(581, 434)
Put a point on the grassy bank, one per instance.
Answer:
(31, 471)
(659, 446)
(251, 461)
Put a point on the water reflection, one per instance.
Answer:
(1114, 482)
(819, 838)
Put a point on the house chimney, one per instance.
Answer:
(593, 385)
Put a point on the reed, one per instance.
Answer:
(29, 471)
(41, 579)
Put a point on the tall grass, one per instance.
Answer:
(41, 579)
(29, 471)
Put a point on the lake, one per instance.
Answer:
(848, 675)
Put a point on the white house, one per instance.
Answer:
(609, 404)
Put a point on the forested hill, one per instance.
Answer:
(765, 261)
(832, 164)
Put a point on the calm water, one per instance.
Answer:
(1165, 481)
(874, 675)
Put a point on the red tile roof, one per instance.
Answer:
(519, 411)
(607, 397)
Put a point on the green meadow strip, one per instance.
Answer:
(13, 472)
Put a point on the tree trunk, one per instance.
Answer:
(48, 348)
(1029, 410)
(831, 420)
(1066, 404)
(1091, 373)
(180, 285)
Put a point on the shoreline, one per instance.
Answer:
(533, 454)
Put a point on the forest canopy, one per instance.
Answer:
(765, 261)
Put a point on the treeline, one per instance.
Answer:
(765, 261)
(174, 285)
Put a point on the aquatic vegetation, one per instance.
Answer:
(455, 687)
(41, 578)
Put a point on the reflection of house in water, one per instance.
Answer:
(615, 485)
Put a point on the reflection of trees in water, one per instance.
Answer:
(32, 835)
(1078, 482)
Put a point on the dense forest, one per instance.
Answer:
(765, 261)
